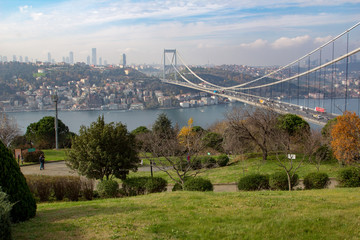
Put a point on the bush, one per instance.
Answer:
(279, 181)
(87, 188)
(177, 187)
(156, 184)
(5, 223)
(196, 163)
(43, 188)
(254, 182)
(32, 156)
(134, 186)
(208, 162)
(13, 183)
(107, 188)
(349, 177)
(222, 160)
(73, 186)
(316, 180)
(198, 184)
(59, 187)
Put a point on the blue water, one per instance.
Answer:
(202, 116)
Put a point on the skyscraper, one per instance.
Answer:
(124, 60)
(88, 60)
(14, 58)
(26, 59)
(93, 56)
(49, 57)
(100, 61)
(71, 58)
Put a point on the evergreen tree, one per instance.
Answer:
(13, 182)
(103, 150)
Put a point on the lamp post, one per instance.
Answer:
(55, 99)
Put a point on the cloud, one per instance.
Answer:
(322, 40)
(259, 43)
(24, 9)
(285, 42)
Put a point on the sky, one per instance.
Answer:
(243, 32)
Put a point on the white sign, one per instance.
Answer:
(291, 156)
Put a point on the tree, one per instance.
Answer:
(163, 126)
(103, 150)
(42, 133)
(8, 129)
(13, 183)
(285, 145)
(293, 124)
(252, 125)
(345, 136)
(175, 153)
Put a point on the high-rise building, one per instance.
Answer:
(105, 62)
(14, 58)
(63, 59)
(67, 60)
(4, 58)
(93, 56)
(88, 60)
(100, 61)
(49, 57)
(26, 59)
(124, 60)
(71, 58)
(20, 59)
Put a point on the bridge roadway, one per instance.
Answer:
(308, 114)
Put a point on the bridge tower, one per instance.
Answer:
(173, 61)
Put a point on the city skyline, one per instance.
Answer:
(226, 32)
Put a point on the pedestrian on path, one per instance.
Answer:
(42, 161)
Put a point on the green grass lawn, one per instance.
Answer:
(315, 214)
(236, 170)
(54, 155)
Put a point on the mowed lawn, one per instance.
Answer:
(315, 214)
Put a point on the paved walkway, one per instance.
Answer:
(60, 169)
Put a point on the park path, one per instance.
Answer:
(60, 169)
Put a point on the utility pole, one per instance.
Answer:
(55, 99)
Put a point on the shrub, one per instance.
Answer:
(5, 223)
(43, 188)
(196, 163)
(177, 187)
(87, 188)
(156, 184)
(279, 181)
(73, 186)
(208, 162)
(222, 160)
(107, 188)
(198, 184)
(32, 156)
(316, 180)
(59, 187)
(14, 184)
(254, 182)
(349, 177)
(134, 186)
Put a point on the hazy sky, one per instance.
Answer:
(250, 32)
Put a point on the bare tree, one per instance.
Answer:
(172, 155)
(8, 129)
(255, 125)
(316, 148)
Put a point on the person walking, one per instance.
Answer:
(42, 161)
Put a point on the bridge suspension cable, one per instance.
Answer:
(240, 86)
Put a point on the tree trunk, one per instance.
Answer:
(264, 154)
(289, 180)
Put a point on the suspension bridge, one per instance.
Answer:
(317, 86)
